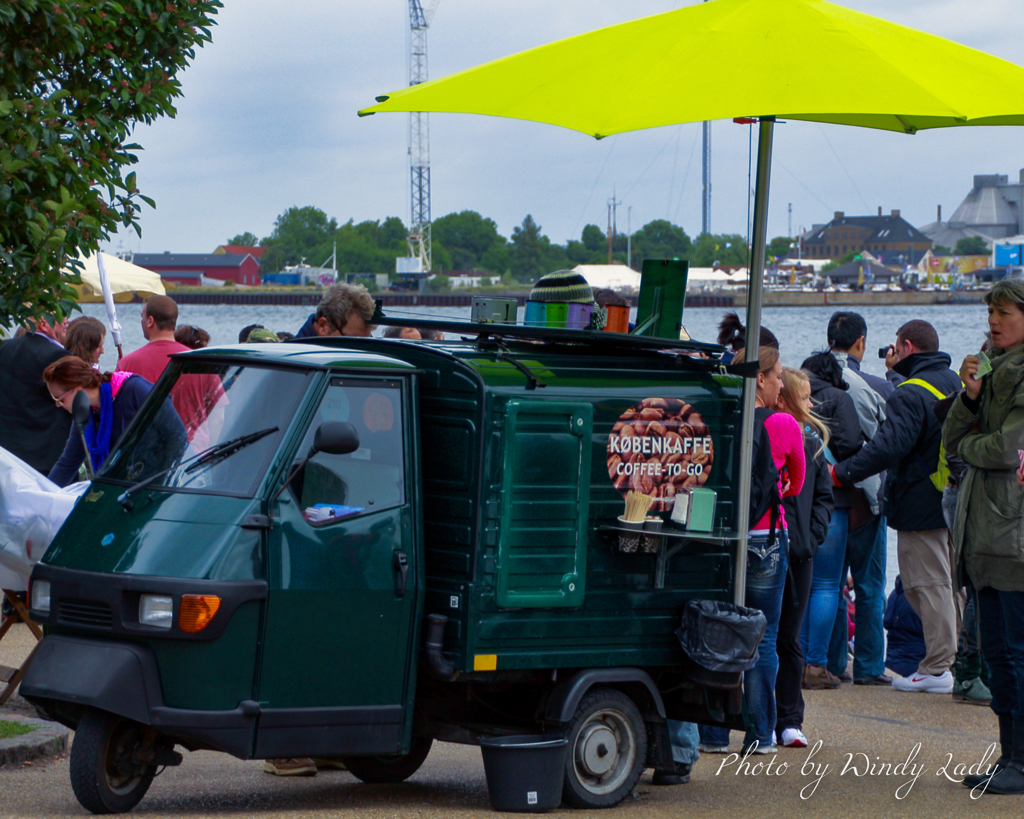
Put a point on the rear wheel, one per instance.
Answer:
(607, 750)
(378, 770)
(105, 775)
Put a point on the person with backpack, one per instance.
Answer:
(836, 408)
(778, 471)
(985, 427)
(808, 515)
(907, 444)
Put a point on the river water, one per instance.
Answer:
(801, 331)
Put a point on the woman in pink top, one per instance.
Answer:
(766, 565)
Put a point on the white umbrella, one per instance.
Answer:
(108, 300)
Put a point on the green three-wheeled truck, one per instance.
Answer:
(367, 545)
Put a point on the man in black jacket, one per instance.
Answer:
(907, 443)
(34, 428)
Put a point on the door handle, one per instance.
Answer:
(400, 563)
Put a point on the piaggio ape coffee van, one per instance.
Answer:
(371, 544)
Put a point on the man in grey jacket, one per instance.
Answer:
(865, 544)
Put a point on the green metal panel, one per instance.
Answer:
(542, 546)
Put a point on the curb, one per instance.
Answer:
(48, 739)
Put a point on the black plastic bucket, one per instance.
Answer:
(524, 773)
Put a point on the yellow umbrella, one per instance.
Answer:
(788, 59)
(793, 59)
(126, 280)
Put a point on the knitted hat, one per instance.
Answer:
(562, 286)
(260, 335)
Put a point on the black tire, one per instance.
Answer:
(607, 750)
(384, 770)
(104, 776)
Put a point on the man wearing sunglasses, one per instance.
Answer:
(33, 428)
(345, 310)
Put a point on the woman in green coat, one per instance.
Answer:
(985, 426)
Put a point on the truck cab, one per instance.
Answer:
(368, 545)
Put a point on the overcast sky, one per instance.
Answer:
(268, 120)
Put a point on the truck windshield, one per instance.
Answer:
(218, 404)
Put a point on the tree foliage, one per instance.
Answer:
(75, 78)
(246, 239)
(971, 246)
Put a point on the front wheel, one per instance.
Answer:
(105, 775)
(607, 750)
(382, 770)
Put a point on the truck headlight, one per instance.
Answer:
(156, 610)
(40, 597)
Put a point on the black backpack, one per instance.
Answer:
(764, 482)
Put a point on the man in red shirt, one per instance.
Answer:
(194, 397)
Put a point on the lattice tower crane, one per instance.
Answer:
(419, 137)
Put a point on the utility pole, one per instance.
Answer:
(629, 237)
(790, 234)
(612, 223)
(419, 143)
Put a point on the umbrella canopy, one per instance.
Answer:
(126, 280)
(793, 59)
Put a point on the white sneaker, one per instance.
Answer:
(793, 738)
(758, 748)
(928, 683)
(713, 749)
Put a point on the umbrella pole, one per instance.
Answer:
(753, 334)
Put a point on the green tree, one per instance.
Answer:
(661, 239)
(941, 250)
(246, 239)
(727, 249)
(971, 246)
(527, 251)
(75, 79)
(299, 234)
(594, 239)
(439, 284)
(468, 237)
(779, 247)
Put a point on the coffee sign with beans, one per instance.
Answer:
(657, 447)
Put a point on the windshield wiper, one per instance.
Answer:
(215, 453)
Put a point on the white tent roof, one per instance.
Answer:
(709, 274)
(126, 279)
(611, 276)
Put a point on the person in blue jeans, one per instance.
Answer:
(821, 608)
(683, 737)
(766, 579)
(767, 552)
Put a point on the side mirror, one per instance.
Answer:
(335, 438)
(80, 409)
(332, 437)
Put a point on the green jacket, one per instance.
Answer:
(988, 532)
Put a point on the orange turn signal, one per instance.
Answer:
(197, 610)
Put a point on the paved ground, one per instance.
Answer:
(909, 739)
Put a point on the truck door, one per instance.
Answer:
(338, 660)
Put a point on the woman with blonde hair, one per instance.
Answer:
(808, 514)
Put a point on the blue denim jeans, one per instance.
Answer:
(828, 574)
(684, 738)
(1001, 618)
(865, 554)
(766, 580)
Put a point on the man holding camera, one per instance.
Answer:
(907, 443)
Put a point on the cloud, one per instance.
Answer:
(268, 121)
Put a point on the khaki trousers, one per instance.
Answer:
(924, 560)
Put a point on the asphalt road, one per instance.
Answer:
(911, 741)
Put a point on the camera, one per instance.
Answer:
(884, 351)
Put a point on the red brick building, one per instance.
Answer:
(887, 238)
